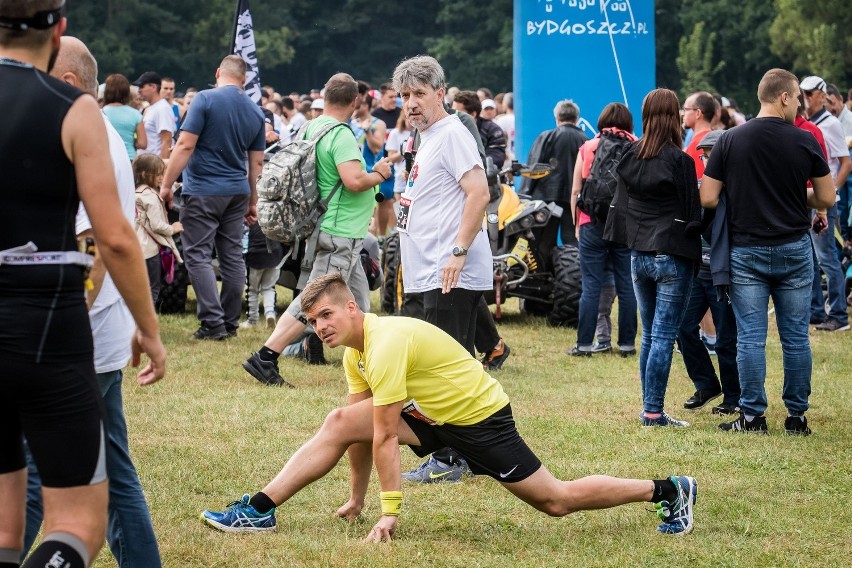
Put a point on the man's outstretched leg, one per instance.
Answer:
(342, 428)
(673, 498)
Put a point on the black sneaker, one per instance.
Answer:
(265, 371)
(577, 352)
(217, 333)
(831, 324)
(797, 426)
(756, 426)
(605, 347)
(494, 359)
(700, 398)
(313, 350)
(625, 353)
(725, 409)
(231, 330)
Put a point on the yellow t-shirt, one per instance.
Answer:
(409, 360)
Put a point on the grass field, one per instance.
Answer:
(209, 433)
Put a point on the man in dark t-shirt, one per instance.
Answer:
(222, 131)
(764, 167)
(387, 110)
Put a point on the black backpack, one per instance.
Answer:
(599, 188)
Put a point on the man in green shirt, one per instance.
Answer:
(338, 248)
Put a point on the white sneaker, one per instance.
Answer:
(248, 324)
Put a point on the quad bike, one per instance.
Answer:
(527, 262)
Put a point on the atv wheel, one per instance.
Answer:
(534, 307)
(390, 269)
(567, 287)
(172, 298)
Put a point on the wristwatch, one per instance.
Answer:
(459, 251)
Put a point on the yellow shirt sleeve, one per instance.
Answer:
(354, 377)
(387, 370)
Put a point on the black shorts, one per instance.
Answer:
(491, 447)
(56, 405)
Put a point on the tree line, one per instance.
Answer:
(717, 45)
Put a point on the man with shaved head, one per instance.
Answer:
(54, 154)
(130, 533)
(221, 131)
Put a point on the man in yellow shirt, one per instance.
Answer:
(410, 383)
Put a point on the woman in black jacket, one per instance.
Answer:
(656, 212)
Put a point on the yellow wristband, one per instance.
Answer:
(391, 502)
(822, 211)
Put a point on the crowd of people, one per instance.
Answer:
(678, 240)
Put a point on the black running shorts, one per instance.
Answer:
(491, 447)
(55, 403)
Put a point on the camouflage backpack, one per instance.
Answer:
(289, 205)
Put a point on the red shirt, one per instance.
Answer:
(805, 124)
(696, 154)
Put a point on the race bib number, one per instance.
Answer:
(413, 409)
(405, 203)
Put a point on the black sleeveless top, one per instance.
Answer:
(38, 188)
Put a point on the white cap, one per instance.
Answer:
(318, 104)
(813, 83)
(489, 103)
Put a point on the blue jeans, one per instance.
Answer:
(594, 252)
(784, 273)
(695, 356)
(662, 283)
(130, 532)
(825, 246)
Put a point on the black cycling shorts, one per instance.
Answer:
(491, 447)
(55, 404)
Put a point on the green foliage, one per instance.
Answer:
(476, 46)
(814, 37)
(695, 61)
(742, 37)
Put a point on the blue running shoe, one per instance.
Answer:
(663, 420)
(434, 471)
(677, 516)
(240, 517)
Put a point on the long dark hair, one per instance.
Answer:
(660, 123)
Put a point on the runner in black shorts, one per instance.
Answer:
(410, 383)
(53, 154)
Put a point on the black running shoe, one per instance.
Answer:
(313, 350)
(756, 426)
(494, 359)
(577, 352)
(797, 426)
(725, 409)
(217, 333)
(265, 371)
(701, 398)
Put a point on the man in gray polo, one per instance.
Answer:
(222, 130)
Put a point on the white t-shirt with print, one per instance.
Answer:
(431, 210)
(111, 321)
(157, 118)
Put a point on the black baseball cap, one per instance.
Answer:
(148, 77)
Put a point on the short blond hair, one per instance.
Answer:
(331, 286)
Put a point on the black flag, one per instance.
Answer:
(243, 45)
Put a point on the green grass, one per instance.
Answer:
(209, 433)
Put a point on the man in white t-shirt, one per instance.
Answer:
(131, 532)
(814, 90)
(444, 249)
(159, 119)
